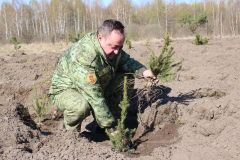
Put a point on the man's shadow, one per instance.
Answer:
(139, 97)
(92, 134)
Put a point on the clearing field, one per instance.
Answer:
(195, 117)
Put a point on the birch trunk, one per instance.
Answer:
(5, 20)
(236, 32)
(16, 19)
(232, 25)
(217, 19)
(27, 24)
(194, 14)
(47, 20)
(166, 15)
(158, 18)
(33, 26)
(84, 29)
(43, 25)
(221, 26)
(213, 16)
(78, 20)
(21, 21)
(36, 24)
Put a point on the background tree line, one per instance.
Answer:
(54, 20)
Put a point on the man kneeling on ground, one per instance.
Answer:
(89, 77)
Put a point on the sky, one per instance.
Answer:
(107, 2)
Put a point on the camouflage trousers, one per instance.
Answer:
(76, 108)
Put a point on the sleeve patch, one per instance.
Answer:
(91, 77)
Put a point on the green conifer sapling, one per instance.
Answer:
(41, 109)
(162, 66)
(122, 138)
(128, 43)
(16, 43)
(199, 40)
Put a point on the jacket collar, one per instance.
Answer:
(98, 46)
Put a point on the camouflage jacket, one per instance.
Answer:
(84, 67)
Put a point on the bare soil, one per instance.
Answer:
(196, 116)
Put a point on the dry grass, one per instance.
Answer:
(34, 48)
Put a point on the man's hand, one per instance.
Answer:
(148, 74)
(115, 132)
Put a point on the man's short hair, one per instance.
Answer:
(108, 26)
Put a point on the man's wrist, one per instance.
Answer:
(139, 72)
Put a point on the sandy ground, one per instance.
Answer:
(197, 115)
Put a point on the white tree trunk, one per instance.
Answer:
(5, 20)
(78, 20)
(232, 24)
(16, 19)
(214, 30)
(166, 15)
(217, 19)
(27, 24)
(158, 18)
(236, 32)
(84, 28)
(36, 24)
(40, 28)
(221, 26)
(75, 20)
(46, 19)
(65, 23)
(116, 11)
(194, 14)
(43, 25)
(21, 20)
(33, 26)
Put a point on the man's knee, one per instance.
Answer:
(76, 115)
(74, 106)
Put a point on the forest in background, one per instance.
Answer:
(53, 21)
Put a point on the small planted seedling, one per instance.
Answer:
(128, 43)
(122, 138)
(16, 43)
(41, 108)
(199, 40)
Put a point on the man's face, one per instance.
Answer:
(112, 43)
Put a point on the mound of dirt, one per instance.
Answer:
(195, 116)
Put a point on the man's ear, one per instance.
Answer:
(100, 37)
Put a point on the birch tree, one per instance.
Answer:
(157, 11)
(4, 16)
(34, 18)
(16, 16)
(115, 8)
(166, 12)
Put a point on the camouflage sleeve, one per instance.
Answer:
(87, 83)
(130, 65)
